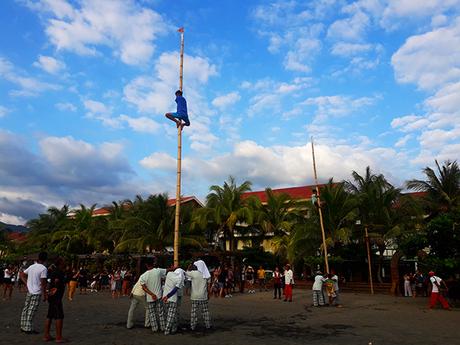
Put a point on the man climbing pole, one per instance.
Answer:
(181, 113)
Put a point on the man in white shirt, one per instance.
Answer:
(436, 296)
(288, 283)
(151, 283)
(318, 297)
(174, 282)
(34, 277)
(199, 275)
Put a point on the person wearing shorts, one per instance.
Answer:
(180, 117)
(56, 289)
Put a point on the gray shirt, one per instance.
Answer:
(199, 286)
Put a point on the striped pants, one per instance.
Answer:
(28, 312)
(156, 315)
(318, 298)
(203, 306)
(171, 317)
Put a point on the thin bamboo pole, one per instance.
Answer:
(323, 233)
(179, 159)
(371, 282)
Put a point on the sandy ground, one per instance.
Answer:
(250, 319)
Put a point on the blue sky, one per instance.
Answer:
(84, 86)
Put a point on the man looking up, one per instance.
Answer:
(181, 113)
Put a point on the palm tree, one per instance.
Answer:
(275, 218)
(225, 208)
(339, 213)
(77, 236)
(148, 226)
(442, 187)
(376, 199)
(43, 227)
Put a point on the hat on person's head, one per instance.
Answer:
(431, 273)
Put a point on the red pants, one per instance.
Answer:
(288, 292)
(435, 297)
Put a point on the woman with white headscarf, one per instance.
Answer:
(199, 275)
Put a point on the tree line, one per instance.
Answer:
(423, 225)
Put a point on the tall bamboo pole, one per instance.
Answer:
(179, 157)
(326, 261)
(371, 282)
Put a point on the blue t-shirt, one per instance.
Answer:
(181, 105)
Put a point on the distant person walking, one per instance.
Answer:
(34, 277)
(436, 294)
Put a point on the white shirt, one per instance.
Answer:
(172, 281)
(199, 286)
(336, 282)
(288, 277)
(435, 287)
(7, 273)
(318, 284)
(35, 273)
(152, 279)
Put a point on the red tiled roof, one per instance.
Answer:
(183, 200)
(297, 193)
(16, 236)
(105, 211)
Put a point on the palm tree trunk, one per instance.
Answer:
(395, 272)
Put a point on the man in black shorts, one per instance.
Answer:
(56, 288)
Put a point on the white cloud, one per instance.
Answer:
(224, 101)
(28, 86)
(99, 111)
(349, 49)
(350, 29)
(66, 106)
(403, 141)
(397, 11)
(409, 123)
(11, 219)
(123, 25)
(336, 106)
(159, 160)
(3, 111)
(282, 165)
(431, 59)
(141, 124)
(49, 64)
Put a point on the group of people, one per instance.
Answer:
(416, 284)
(326, 284)
(163, 302)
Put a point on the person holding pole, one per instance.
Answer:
(181, 114)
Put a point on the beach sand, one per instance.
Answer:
(254, 319)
